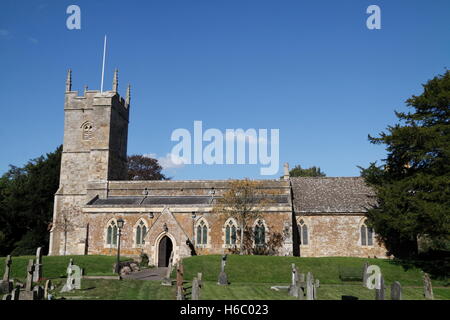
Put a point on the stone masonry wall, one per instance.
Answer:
(337, 235)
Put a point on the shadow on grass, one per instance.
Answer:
(87, 289)
(436, 264)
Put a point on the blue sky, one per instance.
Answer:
(311, 69)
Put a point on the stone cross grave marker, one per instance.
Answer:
(293, 288)
(427, 287)
(195, 293)
(166, 280)
(38, 265)
(396, 291)
(6, 285)
(30, 272)
(223, 279)
(379, 289)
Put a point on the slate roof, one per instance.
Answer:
(331, 195)
(132, 201)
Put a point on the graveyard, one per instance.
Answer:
(216, 277)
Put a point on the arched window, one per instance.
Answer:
(303, 232)
(366, 235)
(230, 233)
(87, 128)
(141, 231)
(260, 233)
(111, 233)
(202, 232)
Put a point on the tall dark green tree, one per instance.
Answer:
(26, 204)
(413, 185)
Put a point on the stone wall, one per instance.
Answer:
(179, 229)
(337, 235)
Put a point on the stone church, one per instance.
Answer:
(314, 217)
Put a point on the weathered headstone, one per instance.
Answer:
(30, 272)
(47, 288)
(293, 288)
(396, 291)
(16, 293)
(73, 278)
(77, 273)
(309, 286)
(365, 274)
(195, 293)
(180, 274)
(7, 297)
(223, 279)
(38, 265)
(166, 280)
(180, 293)
(379, 289)
(199, 279)
(38, 293)
(6, 285)
(29, 293)
(427, 287)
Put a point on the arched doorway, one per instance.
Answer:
(164, 251)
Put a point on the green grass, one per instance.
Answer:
(116, 290)
(270, 269)
(250, 276)
(55, 266)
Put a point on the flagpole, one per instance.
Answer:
(103, 67)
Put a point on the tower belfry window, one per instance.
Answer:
(88, 129)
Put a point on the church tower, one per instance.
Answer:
(94, 152)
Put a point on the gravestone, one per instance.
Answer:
(38, 265)
(6, 285)
(16, 293)
(30, 272)
(427, 287)
(180, 293)
(365, 274)
(199, 279)
(7, 297)
(73, 278)
(396, 291)
(195, 293)
(38, 293)
(223, 279)
(309, 286)
(379, 289)
(301, 286)
(293, 288)
(180, 274)
(77, 273)
(29, 293)
(47, 288)
(166, 280)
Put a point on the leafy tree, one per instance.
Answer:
(413, 186)
(298, 171)
(144, 168)
(243, 201)
(26, 204)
